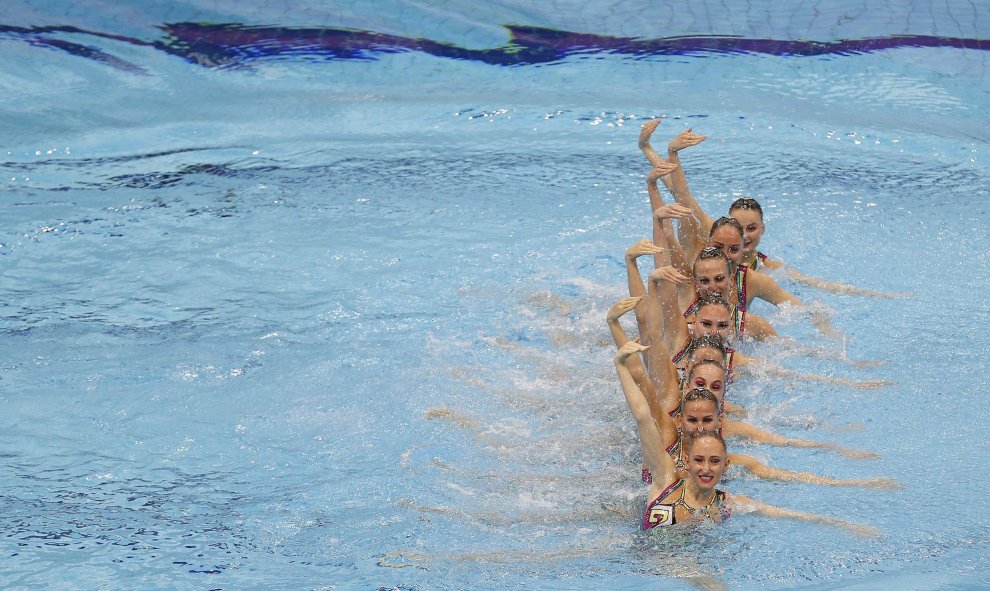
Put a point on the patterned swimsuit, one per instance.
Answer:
(759, 261)
(660, 513)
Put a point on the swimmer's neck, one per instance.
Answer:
(696, 496)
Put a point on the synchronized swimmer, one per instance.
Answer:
(675, 375)
(692, 310)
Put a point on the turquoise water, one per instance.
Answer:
(240, 272)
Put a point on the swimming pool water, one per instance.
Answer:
(281, 316)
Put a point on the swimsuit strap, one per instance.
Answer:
(759, 261)
(681, 372)
(718, 496)
(670, 488)
(739, 320)
(741, 285)
(730, 355)
(674, 449)
(659, 513)
(692, 308)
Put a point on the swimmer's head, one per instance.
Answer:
(705, 347)
(711, 272)
(699, 410)
(727, 236)
(713, 318)
(709, 374)
(750, 216)
(706, 458)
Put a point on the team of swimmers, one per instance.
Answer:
(691, 308)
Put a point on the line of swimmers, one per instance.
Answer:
(674, 375)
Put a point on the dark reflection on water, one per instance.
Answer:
(194, 515)
(229, 45)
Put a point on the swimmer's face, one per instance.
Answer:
(698, 415)
(711, 276)
(706, 462)
(707, 376)
(728, 240)
(753, 228)
(713, 320)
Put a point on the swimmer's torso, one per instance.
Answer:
(670, 508)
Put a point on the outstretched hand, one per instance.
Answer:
(621, 307)
(669, 274)
(642, 248)
(882, 482)
(674, 211)
(661, 168)
(685, 139)
(647, 130)
(866, 531)
(629, 349)
(856, 454)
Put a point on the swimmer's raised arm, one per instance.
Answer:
(660, 171)
(694, 234)
(738, 429)
(618, 310)
(635, 281)
(675, 258)
(650, 437)
(692, 231)
(645, 132)
(633, 362)
(761, 470)
(739, 503)
(663, 231)
(664, 235)
(665, 281)
(684, 139)
(658, 358)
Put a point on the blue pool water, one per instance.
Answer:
(310, 297)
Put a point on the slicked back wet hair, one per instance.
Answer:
(709, 253)
(692, 438)
(700, 394)
(706, 341)
(703, 363)
(747, 203)
(713, 299)
(726, 221)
